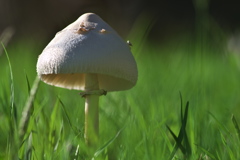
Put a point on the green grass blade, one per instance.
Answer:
(181, 136)
(206, 152)
(68, 119)
(101, 149)
(226, 145)
(178, 144)
(22, 147)
(11, 77)
(185, 116)
(219, 123)
(28, 84)
(236, 126)
(188, 147)
(12, 136)
(53, 130)
(181, 102)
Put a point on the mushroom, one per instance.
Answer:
(88, 55)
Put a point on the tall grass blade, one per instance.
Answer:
(181, 136)
(181, 102)
(28, 109)
(219, 123)
(53, 126)
(12, 141)
(23, 148)
(100, 150)
(12, 84)
(187, 144)
(236, 126)
(6, 36)
(227, 148)
(178, 143)
(60, 139)
(28, 84)
(68, 119)
(29, 152)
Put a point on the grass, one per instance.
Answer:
(146, 122)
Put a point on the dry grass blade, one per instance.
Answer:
(28, 109)
(6, 36)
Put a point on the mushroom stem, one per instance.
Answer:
(91, 110)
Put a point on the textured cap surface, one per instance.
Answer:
(88, 45)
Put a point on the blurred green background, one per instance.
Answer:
(188, 46)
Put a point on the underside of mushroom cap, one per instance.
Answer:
(88, 45)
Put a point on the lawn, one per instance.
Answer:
(133, 123)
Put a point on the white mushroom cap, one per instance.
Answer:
(88, 45)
